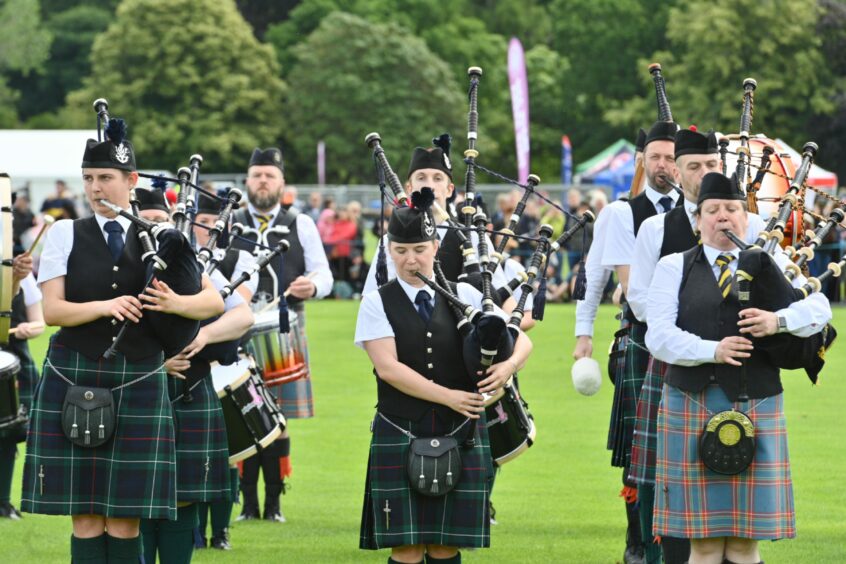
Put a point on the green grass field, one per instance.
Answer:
(556, 503)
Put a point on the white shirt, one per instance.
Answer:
(620, 240)
(219, 281)
(613, 245)
(648, 250)
(316, 263)
(245, 262)
(511, 269)
(672, 345)
(32, 295)
(372, 322)
(58, 243)
(499, 280)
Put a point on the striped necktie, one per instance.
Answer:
(724, 281)
(264, 221)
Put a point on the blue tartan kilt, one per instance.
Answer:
(202, 448)
(133, 475)
(694, 502)
(459, 518)
(627, 384)
(642, 469)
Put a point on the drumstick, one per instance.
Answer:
(33, 325)
(48, 220)
(309, 276)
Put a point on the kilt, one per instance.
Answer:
(627, 384)
(642, 470)
(202, 449)
(692, 501)
(27, 379)
(459, 518)
(132, 475)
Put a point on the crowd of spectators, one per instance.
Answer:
(343, 230)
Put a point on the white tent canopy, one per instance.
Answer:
(38, 157)
(818, 177)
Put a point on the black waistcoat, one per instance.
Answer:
(19, 346)
(642, 209)
(433, 351)
(704, 312)
(450, 255)
(678, 234)
(93, 276)
(293, 261)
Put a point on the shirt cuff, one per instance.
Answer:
(706, 351)
(793, 318)
(584, 328)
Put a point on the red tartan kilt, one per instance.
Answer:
(694, 502)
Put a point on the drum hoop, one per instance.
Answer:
(6, 254)
(234, 384)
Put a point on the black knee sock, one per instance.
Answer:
(176, 538)
(633, 537)
(451, 560)
(249, 484)
(8, 449)
(675, 550)
(91, 550)
(150, 539)
(221, 512)
(123, 551)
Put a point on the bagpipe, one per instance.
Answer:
(171, 260)
(761, 284)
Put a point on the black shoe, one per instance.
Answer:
(634, 555)
(200, 542)
(272, 507)
(8, 511)
(221, 542)
(277, 516)
(492, 511)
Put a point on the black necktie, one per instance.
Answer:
(423, 301)
(724, 281)
(666, 202)
(115, 231)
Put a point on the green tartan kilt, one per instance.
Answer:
(628, 382)
(27, 379)
(459, 518)
(202, 449)
(133, 475)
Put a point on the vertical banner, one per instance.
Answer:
(519, 87)
(566, 161)
(321, 163)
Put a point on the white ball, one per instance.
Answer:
(587, 377)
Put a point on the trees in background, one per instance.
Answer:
(210, 76)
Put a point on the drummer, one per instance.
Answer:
(27, 323)
(305, 274)
(90, 275)
(423, 390)
(232, 263)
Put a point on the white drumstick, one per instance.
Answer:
(48, 220)
(35, 325)
(286, 293)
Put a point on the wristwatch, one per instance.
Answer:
(782, 324)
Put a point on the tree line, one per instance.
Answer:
(222, 76)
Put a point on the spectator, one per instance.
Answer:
(61, 204)
(598, 200)
(314, 206)
(22, 217)
(289, 198)
(339, 250)
(354, 210)
(325, 222)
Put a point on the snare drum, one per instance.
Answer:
(10, 405)
(251, 421)
(280, 356)
(511, 427)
